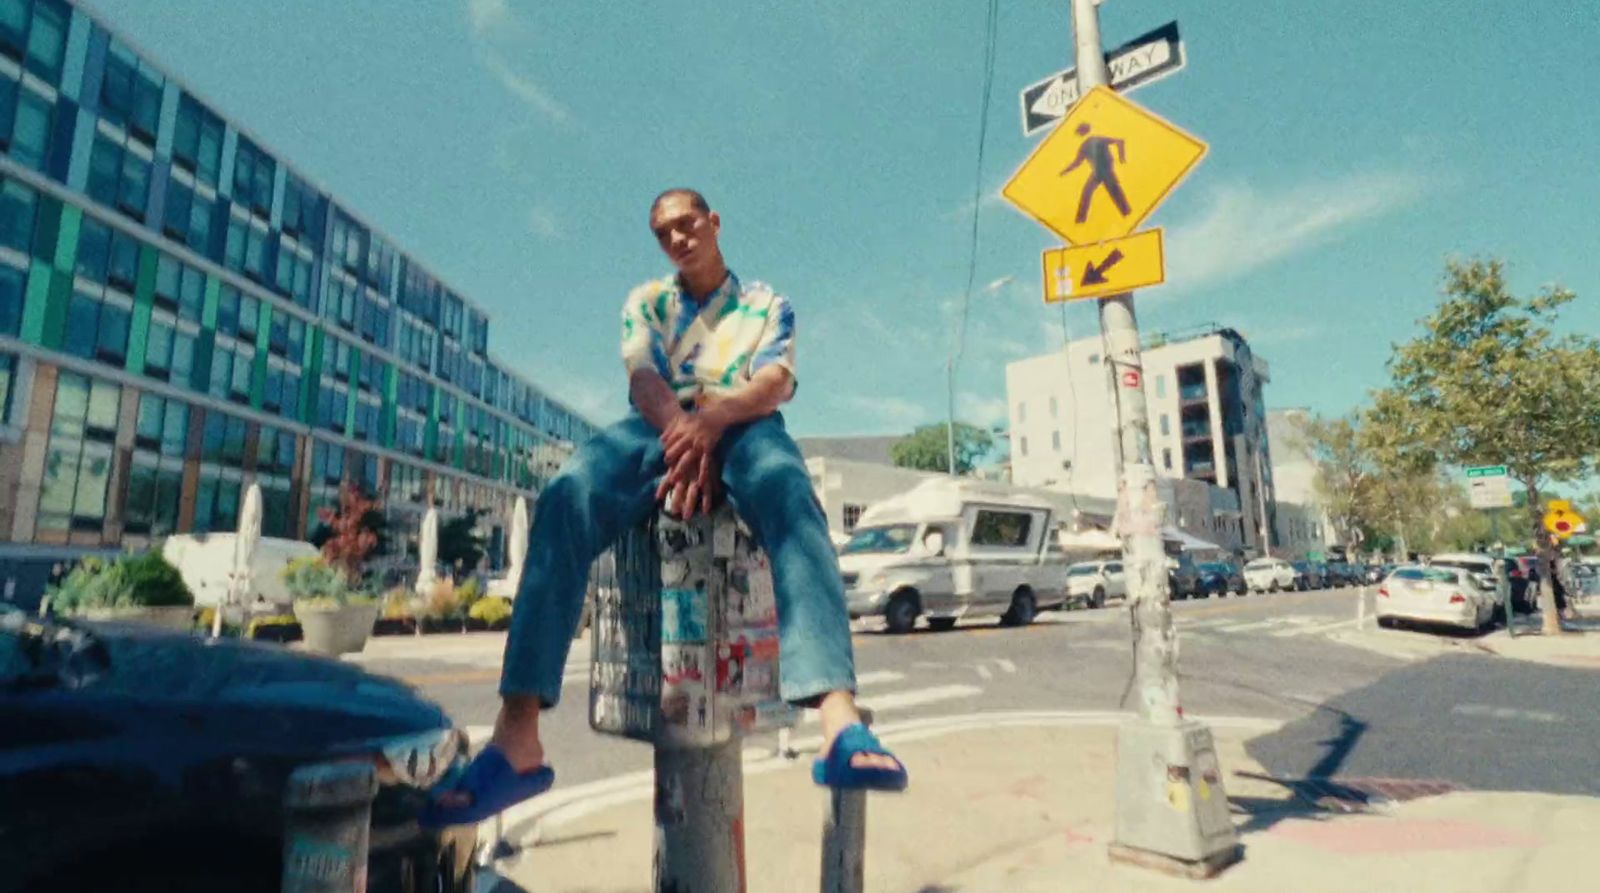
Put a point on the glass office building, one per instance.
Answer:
(183, 313)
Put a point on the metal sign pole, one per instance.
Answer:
(1172, 811)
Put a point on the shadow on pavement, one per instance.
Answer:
(1473, 721)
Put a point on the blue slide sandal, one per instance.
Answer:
(493, 786)
(835, 771)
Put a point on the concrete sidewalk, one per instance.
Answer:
(1018, 806)
(1577, 647)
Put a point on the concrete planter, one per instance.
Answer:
(336, 629)
(174, 617)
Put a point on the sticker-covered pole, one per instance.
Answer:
(1171, 810)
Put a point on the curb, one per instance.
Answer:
(527, 822)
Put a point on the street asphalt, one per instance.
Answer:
(1480, 722)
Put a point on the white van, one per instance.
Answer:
(206, 562)
(949, 549)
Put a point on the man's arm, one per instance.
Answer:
(654, 398)
(691, 438)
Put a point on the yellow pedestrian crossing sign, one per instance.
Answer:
(1107, 268)
(1103, 170)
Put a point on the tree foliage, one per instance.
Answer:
(374, 521)
(1490, 382)
(460, 545)
(350, 537)
(1378, 493)
(927, 448)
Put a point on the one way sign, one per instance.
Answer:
(1146, 59)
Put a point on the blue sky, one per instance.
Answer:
(514, 146)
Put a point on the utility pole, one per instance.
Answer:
(1171, 808)
(950, 416)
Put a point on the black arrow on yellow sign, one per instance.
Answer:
(1095, 274)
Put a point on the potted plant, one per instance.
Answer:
(335, 617)
(273, 628)
(468, 595)
(335, 614)
(492, 613)
(143, 588)
(398, 616)
(442, 610)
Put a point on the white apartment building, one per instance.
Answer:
(1208, 422)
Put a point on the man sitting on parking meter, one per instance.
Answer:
(710, 358)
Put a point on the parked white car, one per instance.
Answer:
(1433, 594)
(945, 550)
(1092, 582)
(1481, 567)
(1269, 575)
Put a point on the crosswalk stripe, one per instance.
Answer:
(876, 677)
(914, 698)
(1247, 627)
(1317, 630)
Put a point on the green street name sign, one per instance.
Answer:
(1487, 471)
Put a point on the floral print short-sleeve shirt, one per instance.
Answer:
(712, 346)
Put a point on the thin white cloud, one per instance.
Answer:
(601, 404)
(486, 16)
(983, 411)
(525, 89)
(893, 412)
(1242, 228)
(988, 199)
(542, 222)
(495, 32)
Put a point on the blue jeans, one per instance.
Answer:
(609, 485)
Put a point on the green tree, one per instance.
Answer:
(927, 448)
(1345, 475)
(460, 545)
(1378, 495)
(1490, 382)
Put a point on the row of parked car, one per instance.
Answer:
(1093, 582)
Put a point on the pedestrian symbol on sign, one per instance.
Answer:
(1096, 152)
(1102, 171)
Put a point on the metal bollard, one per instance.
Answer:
(686, 657)
(844, 838)
(327, 821)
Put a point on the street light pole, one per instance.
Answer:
(1171, 811)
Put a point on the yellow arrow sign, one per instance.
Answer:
(1109, 268)
(1103, 170)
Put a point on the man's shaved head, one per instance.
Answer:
(697, 200)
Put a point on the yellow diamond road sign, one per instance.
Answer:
(1109, 268)
(1103, 170)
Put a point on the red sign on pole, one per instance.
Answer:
(1130, 378)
